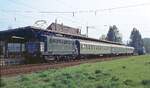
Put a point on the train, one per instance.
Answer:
(61, 48)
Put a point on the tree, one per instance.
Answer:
(146, 42)
(136, 41)
(114, 35)
(103, 37)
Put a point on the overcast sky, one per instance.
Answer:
(19, 13)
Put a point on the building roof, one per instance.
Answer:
(30, 32)
(64, 29)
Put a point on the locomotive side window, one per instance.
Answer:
(14, 47)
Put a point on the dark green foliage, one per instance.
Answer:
(2, 83)
(136, 41)
(128, 82)
(113, 85)
(65, 81)
(91, 77)
(53, 84)
(113, 34)
(106, 74)
(67, 75)
(100, 86)
(46, 80)
(147, 63)
(86, 74)
(42, 75)
(145, 82)
(114, 78)
(23, 78)
(123, 67)
(98, 71)
(146, 42)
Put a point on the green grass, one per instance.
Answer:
(132, 72)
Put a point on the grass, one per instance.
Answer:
(132, 72)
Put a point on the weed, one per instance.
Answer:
(147, 63)
(91, 77)
(114, 78)
(145, 82)
(53, 84)
(67, 75)
(128, 82)
(65, 81)
(23, 78)
(98, 71)
(124, 67)
(42, 75)
(86, 74)
(106, 74)
(2, 83)
(46, 80)
(110, 70)
(100, 86)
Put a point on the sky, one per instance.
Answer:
(20, 13)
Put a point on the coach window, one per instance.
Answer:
(64, 42)
(59, 41)
(86, 46)
(53, 40)
(90, 46)
(82, 45)
(50, 40)
(68, 42)
(93, 47)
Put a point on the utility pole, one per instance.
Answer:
(55, 24)
(87, 29)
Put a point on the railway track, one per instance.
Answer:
(29, 68)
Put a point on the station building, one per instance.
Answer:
(12, 41)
